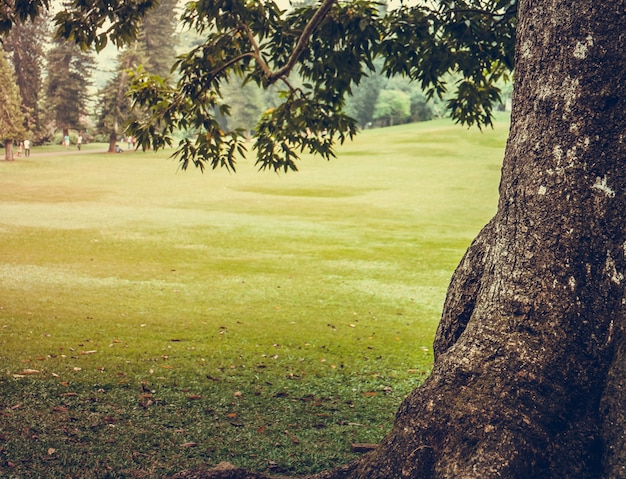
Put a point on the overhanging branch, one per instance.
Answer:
(284, 71)
(317, 18)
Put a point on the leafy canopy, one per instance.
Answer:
(329, 47)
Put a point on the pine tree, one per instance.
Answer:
(67, 86)
(153, 51)
(25, 44)
(11, 116)
(158, 34)
(114, 105)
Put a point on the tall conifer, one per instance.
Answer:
(115, 106)
(25, 43)
(158, 34)
(11, 116)
(68, 82)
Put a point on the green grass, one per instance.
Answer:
(178, 319)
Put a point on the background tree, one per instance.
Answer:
(11, 116)
(114, 107)
(246, 104)
(158, 31)
(154, 51)
(25, 43)
(421, 107)
(67, 85)
(392, 107)
(361, 103)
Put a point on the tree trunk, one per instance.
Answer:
(112, 142)
(532, 330)
(529, 379)
(8, 150)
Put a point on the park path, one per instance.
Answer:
(61, 151)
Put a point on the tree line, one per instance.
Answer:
(49, 82)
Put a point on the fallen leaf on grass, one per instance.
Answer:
(30, 371)
(231, 415)
(189, 444)
(194, 396)
(69, 395)
(293, 438)
(370, 394)
(146, 404)
(60, 409)
(51, 451)
(88, 352)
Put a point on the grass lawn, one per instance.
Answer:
(153, 320)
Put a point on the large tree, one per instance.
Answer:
(114, 108)
(25, 43)
(158, 35)
(67, 84)
(11, 115)
(529, 378)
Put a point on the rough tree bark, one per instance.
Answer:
(8, 150)
(529, 377)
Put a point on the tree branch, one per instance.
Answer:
(257, 52)
(221, 68)
(306, 34)
(303, 40)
